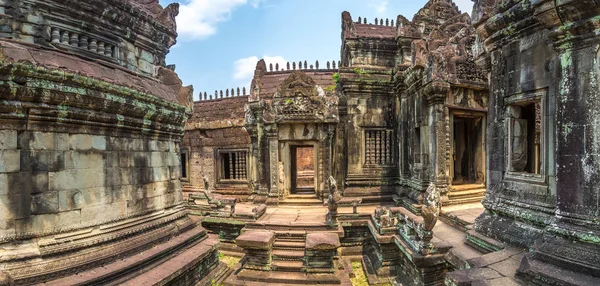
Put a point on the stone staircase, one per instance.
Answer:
(288, 254)
(303, 199)
(371, 195)
(465, 194)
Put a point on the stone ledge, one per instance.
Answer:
(322, 241)
(254, 239)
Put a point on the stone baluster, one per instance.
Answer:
(65, 38)
(108, 50)
(74, 40)
(101, 47)
(93, 45)
(83, 42)
(55, 35)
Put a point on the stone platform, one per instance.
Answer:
(289, 227)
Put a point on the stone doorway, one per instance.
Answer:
(468, 149)
(303, 168)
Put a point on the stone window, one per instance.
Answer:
(417, 146)
(184, 172)
(525, 134)
(379, 147)
(232, 165)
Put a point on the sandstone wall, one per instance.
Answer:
(215, 124)
(52, 182)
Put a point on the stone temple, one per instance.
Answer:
(443, 150)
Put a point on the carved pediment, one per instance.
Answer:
(297, 84)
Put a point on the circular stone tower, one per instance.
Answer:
(90, 124)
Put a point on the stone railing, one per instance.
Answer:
(220, 94)
(377, 22)
(85, 42)
(303, 65)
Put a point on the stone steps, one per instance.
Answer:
(259, 278)
(301, 202)
(287, 266)
(466, 194)
(288, 255)
(465, 200)
(288, 245)
(158, 264)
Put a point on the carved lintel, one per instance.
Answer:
(436, 92)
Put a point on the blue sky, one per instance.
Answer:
(220, 41)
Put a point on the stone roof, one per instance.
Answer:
(218, 113)
(374, 31)
(13, 52)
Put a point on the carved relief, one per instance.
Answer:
(518, 144)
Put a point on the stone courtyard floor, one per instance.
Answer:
(498, 268)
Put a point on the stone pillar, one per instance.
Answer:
(273, 170)
(435, 93)
(327, 146)
(258, 246)
(321, 251)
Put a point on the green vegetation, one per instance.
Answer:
(229, 260)
(336, 77)
(330, 88)
(360, 279)
(360, 71)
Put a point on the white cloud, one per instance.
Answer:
(198, 18)
(244, 68)
(465, 5)
(380, 6)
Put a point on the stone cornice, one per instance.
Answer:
(36, 94)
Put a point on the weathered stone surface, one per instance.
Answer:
(322, 241)
(260, 240)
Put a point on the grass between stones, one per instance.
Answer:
(360, 279)
(230, 261)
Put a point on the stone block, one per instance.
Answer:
(8, 139)
(11, 161)
(163, 146)
(37, 223)
(256, 239)
(112, 177)
(468, 276)
(87, 142)
(70, 200)
(112, 160)
(75, 179)
(44, 203)
(322, 241)
(44, 141)
(160, 174)
(69, 219)
(84, 160)
(125, 175)
(34, 160)
(104, 213)
(157, 159)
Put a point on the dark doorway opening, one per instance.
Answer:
(303, 169)
(467, 151)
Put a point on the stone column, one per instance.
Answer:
(435, 93)
(273, 170)
(327, 145)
